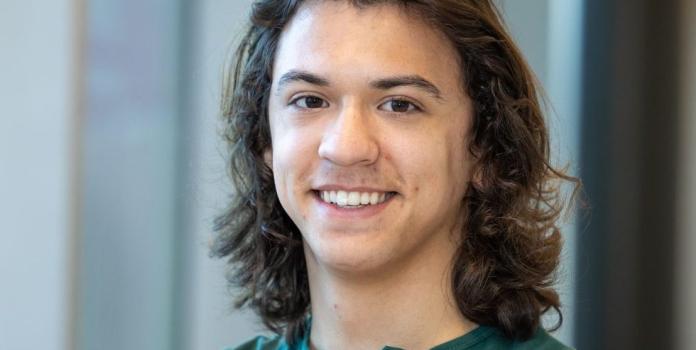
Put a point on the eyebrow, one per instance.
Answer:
(407, 80)
(298, 75)
(381, 84)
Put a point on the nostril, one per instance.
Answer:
(349, 140)
(349, 151)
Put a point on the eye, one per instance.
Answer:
(397, 105)
(309, 102)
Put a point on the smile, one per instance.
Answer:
(346, 199)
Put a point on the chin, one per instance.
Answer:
(347, 257)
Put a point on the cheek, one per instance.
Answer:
(458, 161)
(434, 163)
(294, 153)
(286, 161)
(436, 153)
(287, 170)
(280, 160)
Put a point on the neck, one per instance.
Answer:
(410, 306)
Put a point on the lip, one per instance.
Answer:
(332, 187)
(334, 212)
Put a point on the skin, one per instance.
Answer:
(371, 99)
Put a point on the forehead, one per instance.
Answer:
(335, 37)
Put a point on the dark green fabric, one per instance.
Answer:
(481, 338)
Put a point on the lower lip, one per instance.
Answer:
(335, 212)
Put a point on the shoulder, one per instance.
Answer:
(541, 340)
(262, 343)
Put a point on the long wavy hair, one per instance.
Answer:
(504, 270)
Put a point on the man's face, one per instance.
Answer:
(369, 128)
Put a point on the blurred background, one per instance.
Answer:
(112, 169)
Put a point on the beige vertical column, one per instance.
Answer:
(686, 240)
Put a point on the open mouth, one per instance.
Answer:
(353, 200)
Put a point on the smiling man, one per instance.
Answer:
(392, 183)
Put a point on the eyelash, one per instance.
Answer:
(297, 99)
(412, 106)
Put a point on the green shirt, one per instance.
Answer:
(481, 338)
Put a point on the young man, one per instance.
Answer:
(392, 184)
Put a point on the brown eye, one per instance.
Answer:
(399, 106)
(310, 102)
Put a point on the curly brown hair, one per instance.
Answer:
(504, 270)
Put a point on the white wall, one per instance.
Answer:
(564, 87)
(129, 176)
(549, 33)
(36, 141)
(213, 323)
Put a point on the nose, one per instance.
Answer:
(350, 139)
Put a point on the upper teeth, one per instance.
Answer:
(343, 198)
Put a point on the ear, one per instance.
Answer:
(268, 157)
(474, 167)
(476, 176)
(475, 171)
